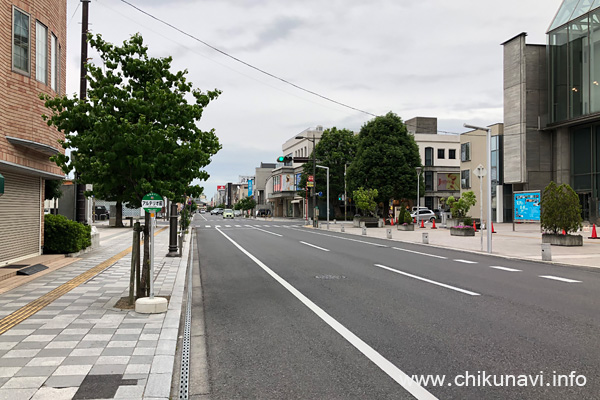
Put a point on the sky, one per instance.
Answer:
(427, 58)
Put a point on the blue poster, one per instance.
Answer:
(298, 178)
(527, 206)
(249, 187)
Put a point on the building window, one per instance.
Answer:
(428, 180)
(429, 202)
(452, 154)
(54, 63)
(441, 153)
(41, 52)
(465, 179)
(20, 41)
(465, 151)
(428, 156)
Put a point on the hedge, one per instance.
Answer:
(61, 235)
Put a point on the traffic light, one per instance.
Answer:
(284, 159)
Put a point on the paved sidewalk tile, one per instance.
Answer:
(81, 338)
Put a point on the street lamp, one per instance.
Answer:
(418, 187)
(314, 200)
(327, 168)
(489, 183)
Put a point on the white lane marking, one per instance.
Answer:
(203, 217)
(339, 237)
(275, 226)
(262, 230)
(227, 226)
(207, 226)
(466, 261)
(506, 269)
(217, 226)
(248, 226)
(558, 278)
(238, 226)
(418, 252)
(312, 245)
(429, 280)
(404, 380)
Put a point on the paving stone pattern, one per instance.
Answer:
(79, 346)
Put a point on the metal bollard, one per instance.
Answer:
(343, 229)
(546, 252)
(389, 233)
(364, 231)
(425, 237)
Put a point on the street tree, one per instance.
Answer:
(365, 200)
(136, 131)
(386, 158)
(335, 149)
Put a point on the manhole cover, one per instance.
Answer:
(330, 277)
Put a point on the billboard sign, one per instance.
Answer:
(298, 179)
(527, 206)
(220, 187)
(448, 182)
(287, 183)
(249, 187)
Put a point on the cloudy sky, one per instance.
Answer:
(434, 58)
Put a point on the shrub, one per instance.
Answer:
(460, 208)
(560, 209)
(406, 218)
(468, 221)
(365, 199)
(61, 235)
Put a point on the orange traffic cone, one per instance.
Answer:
(594, 236)
(474, 226)
(493, 231)
(422, 224)
(392, 221)
(414, 220)
(564, 233)
(433, 226)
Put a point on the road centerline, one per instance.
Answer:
(505, 268)
(558, 278)
(312, 245)
(429, 280)
(418, 252)
(262, 230)
(399, 376)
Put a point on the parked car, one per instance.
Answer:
(263, 212)
(101, 213)
(237, 213)
(424, 215)
(216, 211)
(227, 213)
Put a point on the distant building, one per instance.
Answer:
(32, 61)
(440, 155)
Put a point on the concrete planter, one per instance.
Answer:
(462, 231)
(369, 222)
(409, 227)
(562, 240)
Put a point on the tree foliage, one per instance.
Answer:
(460, 207)
(336, 148)
(365, 199)
(245, 204)
(386, 158)
(135, 133)
(52, 189)
(561, 209)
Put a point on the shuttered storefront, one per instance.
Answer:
(20, 214)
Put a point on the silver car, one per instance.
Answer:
(424, 215)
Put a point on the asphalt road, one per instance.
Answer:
(293, 313)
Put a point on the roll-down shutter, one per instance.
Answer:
(20, 214)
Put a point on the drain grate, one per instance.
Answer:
(330, 277)
(185, 347)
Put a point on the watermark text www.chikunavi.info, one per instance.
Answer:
(484, 379)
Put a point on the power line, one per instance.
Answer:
(245, 63)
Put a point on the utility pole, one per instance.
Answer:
(315, 220)
(80, 188)
(345, 199)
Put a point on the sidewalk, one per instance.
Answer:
(524, 243)
(62, 338)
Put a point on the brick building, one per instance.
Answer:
(32, 61)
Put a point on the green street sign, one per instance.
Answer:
(152, 202)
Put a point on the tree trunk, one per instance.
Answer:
(119, 216)
(144, 288)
